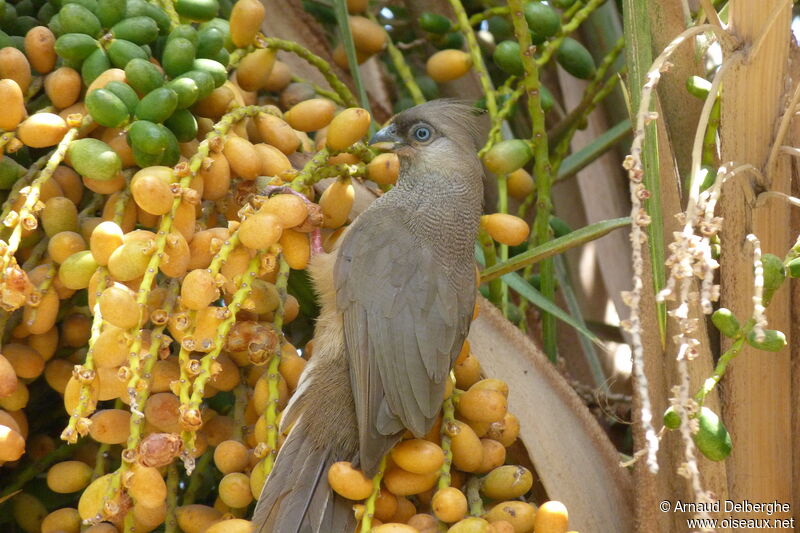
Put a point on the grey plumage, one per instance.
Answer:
(396, 301)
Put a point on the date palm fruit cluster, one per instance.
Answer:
(144, 279)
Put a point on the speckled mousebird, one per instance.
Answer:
(396, 296)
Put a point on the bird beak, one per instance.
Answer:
(386, 139)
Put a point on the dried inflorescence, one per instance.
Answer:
(689, 257)
(159, 449)
(16, 287)
(161, 285)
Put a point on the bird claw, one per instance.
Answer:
(272, 190)
(316, 235)
(316, 242)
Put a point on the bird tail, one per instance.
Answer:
(296, 497)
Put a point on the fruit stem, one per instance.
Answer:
(139, 393)
(541, 171)
(402, 68)
(242, 292)
(139, 387)
(173, 477)
(474, 497)
(724, 360)
(6, 138)
(323, 66)
(369, 505)
(70, 433)
(32, 196)
(100, 456)
(331, 95)
(477, 18)
(477, 58)
(239, 405)
(26, 474)
(448, 417)
(497, 124)
(43, 288)
(196, 481)
(21, 183)
(576, 15)
(169, 7)
(710, 138)
(490, 258)
(273, 374)
(309, 175)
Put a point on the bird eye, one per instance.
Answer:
(422, 133)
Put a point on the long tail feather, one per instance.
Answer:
(296, 497)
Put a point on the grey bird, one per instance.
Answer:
(396, 298)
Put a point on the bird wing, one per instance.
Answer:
(403, 326)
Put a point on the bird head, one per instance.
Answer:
(436, 131)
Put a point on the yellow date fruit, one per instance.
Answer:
(260, 231)
(242, 157)
(255, 68)
(384, 169)
(404, 483)
(494, 455)
(273, 161)
(506, 431)
(519, 514)
(506, 229)
(92, 499)
(14, 65)
(196, 518)
(551, 517)
(118, 306)
(507, 482)
(105, 238)
(198, 289)
(482, 405)
(369, 37)
(64, 520)
(449, 505)
(448, 65)
(233, 525)
(520, 184)
(110, 426)
(64, 244)
(347, 127)
(40, 47)
(234, 490)
(472, 524)
(41, 130)
(336, 203)
(13, 110)
(277, 132)
(349, 482)
(245, 21)
(418, 456)
(12, 444)
(146, 486)
(466, 446)
(231, 456)
(311, 115)
(63, 87)
(69, 476)
(151, 189)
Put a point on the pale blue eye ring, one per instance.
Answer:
(422, 134)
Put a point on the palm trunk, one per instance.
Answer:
(757, 388)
